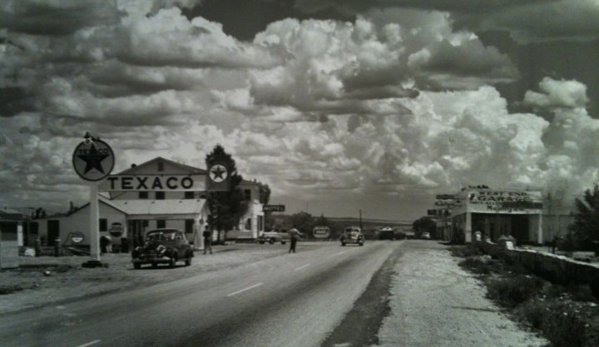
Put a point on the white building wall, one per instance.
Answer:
(79, 221)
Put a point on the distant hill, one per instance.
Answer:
(373, 223)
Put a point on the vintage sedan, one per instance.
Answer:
(163, 246)
(273, 236)
(352, 235)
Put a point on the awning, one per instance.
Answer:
(163, 209)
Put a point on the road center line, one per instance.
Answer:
(89, 343)
(302, 267)
(243, 290)
(337, 254)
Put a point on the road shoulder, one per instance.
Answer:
(434, 302)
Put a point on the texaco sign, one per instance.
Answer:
(93, 160)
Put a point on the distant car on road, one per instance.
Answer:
(273, 236)
(352, 235)
(163, 246)
(386, 233)
(426, 235)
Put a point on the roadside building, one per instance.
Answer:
(159, 193)
(16, 231)
(491, 213)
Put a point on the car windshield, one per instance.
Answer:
(161, 235)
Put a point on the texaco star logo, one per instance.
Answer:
(93, 160)
(218, 173)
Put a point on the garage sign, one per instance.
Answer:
(146, 183)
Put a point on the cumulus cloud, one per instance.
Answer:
(391, 107)
(549, 21)
(526, 20)
(68, 16)
(558, 94)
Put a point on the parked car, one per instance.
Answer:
(163, 246)
(352, 235)
(273, 236)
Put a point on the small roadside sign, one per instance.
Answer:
(273, 208)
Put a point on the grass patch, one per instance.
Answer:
(512, 291)
(464, 251)
(477, 265)
(4, 290)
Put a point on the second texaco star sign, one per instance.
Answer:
(218, 173)
(93, 160)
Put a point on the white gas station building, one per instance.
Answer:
(159, 193)
(492, 213)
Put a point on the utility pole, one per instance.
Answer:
(360, 219)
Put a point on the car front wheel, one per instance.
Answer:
(188, 259)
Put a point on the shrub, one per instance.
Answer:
(560, 323)
(594, 286)
(563, 327)
(511, 291)
(532, 312)
(478, 265)
(464, 251)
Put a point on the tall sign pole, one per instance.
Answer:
(93, 161)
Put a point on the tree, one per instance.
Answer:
(423, 224)
(226, 207)
(586, 220)
(302, 221)
(269, 220)
(321, 221)
(264, 193)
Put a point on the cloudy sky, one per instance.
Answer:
(339, 106)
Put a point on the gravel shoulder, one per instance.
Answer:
(434, 302)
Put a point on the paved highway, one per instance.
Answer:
(290, 300)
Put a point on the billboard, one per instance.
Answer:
(504, 201)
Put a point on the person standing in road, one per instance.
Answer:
(294, 236)
(207, 234)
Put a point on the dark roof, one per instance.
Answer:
(191, 169)
(11, 216)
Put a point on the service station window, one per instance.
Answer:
(103, 224)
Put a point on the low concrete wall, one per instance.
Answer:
(554, 268)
